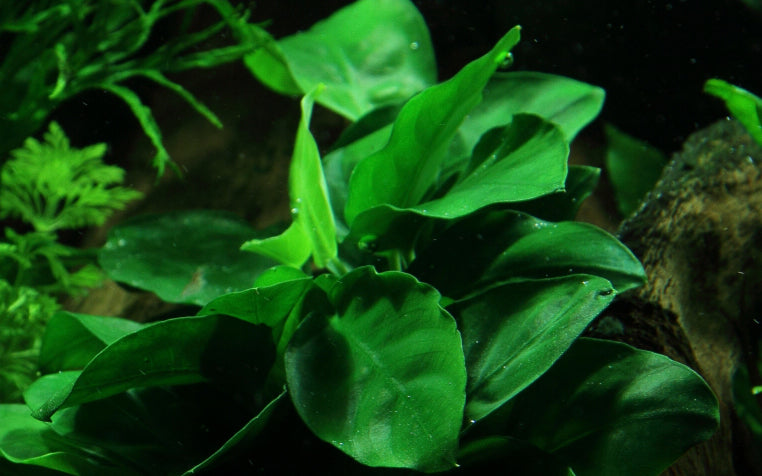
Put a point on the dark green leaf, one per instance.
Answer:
(606, 408)
(185, 257)
(31, 442)
(580, 183)
(498, 246)
(72, 339)
(402, 173)
(368, 54)
(176, 351)
(383, 379)
(633, 167)
(513, 333)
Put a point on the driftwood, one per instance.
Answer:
(699, 236)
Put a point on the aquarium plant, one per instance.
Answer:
(49, 186)
(55, 50)
(420, 312)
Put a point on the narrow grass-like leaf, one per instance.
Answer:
(177, 351)
(402, 172)
(606, 408)
(513, 333)
(383, 379)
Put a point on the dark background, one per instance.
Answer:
(651, 57)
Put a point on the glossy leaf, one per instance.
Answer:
(184, 257)
(383, 379)
(267, 305)
(499, 246)
(27, 441)
(745, 106)
(177, 351)
(556, 249)
(580, 183)
(421, 136)
(369, 54)
(606, 408)
(568, 103)
(513, 333)
(72, 339)
(312, 231)
(633, 167)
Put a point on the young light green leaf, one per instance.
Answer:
(745, 106)
(369, 54)
(186, 257)
(313, 231)
(383, 379)
(606, 408)
(513, 333)
(404, 171)
(633, 167)
(177, 351)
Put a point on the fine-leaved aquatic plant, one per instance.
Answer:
(57, 49)
(425, 314)
(49, 186)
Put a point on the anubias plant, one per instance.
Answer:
(421, 312)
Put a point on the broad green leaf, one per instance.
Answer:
(633, 167)
(513, 333)
(407, 167)
(313, 231)
(512, 456)
(27, 441)
(292, 247)
(745, 106)
(177, 351)
(556, 249)
(519, 162)
(568, 103)
(383, 379)
(606, 408)
(498, 246)
(267, 305)
(279, 274)
(580, 183)
(72, 339)
(243, 440)
(185, 257)
(369, 54)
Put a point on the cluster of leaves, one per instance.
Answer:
(57, 49)
(421, 311)
(50, 186)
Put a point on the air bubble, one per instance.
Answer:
(414, 45)
(507, 61)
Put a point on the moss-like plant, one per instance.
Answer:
(50, 186)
